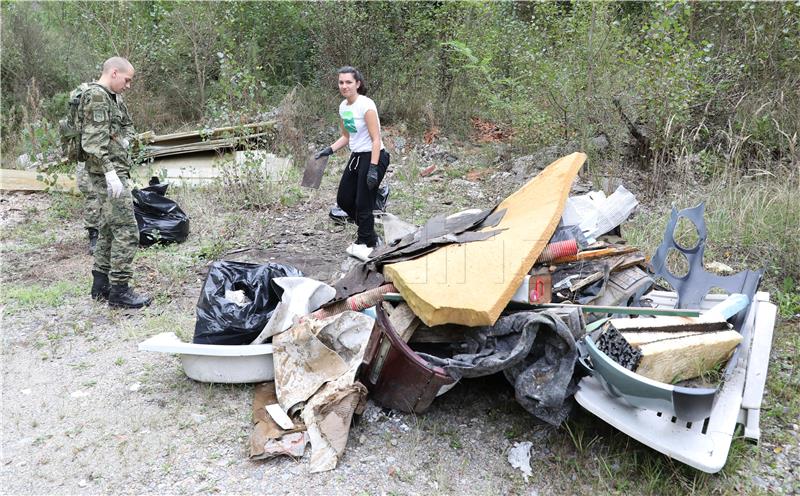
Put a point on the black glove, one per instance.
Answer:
(324, 153)
(372, 176)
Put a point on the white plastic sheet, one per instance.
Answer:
(301, 296)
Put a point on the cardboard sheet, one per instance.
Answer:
(471, 283)
(268, 439)
(316, 362)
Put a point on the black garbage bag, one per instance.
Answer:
(382, 198)
(160, 219)
(221, 321)
(340, 216)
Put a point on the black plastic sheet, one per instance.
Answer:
(221, 321)
(160, 219)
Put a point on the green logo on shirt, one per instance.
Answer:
(349, 121)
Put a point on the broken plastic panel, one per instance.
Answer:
(635, 390)
(693, 286)
(703, 444)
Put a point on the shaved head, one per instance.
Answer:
(118, 63)
(117, 75)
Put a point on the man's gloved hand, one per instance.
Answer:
(372, 176)
(324, 153)
(113, 184)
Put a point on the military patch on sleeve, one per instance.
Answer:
(99, 115)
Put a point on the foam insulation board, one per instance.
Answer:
(677, 359)
(471, 283)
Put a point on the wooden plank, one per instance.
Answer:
(404, 322)
(152, 151)
(681, 312)
(472, 283)
(595, 254)
(25, 180)
(198, 135)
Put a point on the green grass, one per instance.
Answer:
(22, 297)
(30, 235)
(152, 323)
(64, 206)
(787, 297)
(617, 464)
(782, 402)
(751, 223)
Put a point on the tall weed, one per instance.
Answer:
(752, 223)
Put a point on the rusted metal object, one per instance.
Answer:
(312, 175)
(396, 376)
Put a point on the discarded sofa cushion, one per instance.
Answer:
(536, 352)
(160, 219)
(222, 321)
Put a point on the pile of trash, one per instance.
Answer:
(541, 288)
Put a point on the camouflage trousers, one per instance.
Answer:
(118, 232)
(92, 206)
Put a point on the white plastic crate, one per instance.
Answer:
(703, 445)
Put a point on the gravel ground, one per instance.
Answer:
(84, 412)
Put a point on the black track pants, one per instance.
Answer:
(356, 199)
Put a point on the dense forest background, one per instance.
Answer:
(701, 87)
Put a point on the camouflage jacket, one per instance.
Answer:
(106, 125)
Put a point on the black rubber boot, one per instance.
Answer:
(100, 286)
(92, 239)
(123, 296)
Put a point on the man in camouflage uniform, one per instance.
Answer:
(105, 140)
(92, 207)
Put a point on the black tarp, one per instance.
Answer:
(536, 352)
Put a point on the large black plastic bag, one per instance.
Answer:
(220, 321)
(160, 219)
